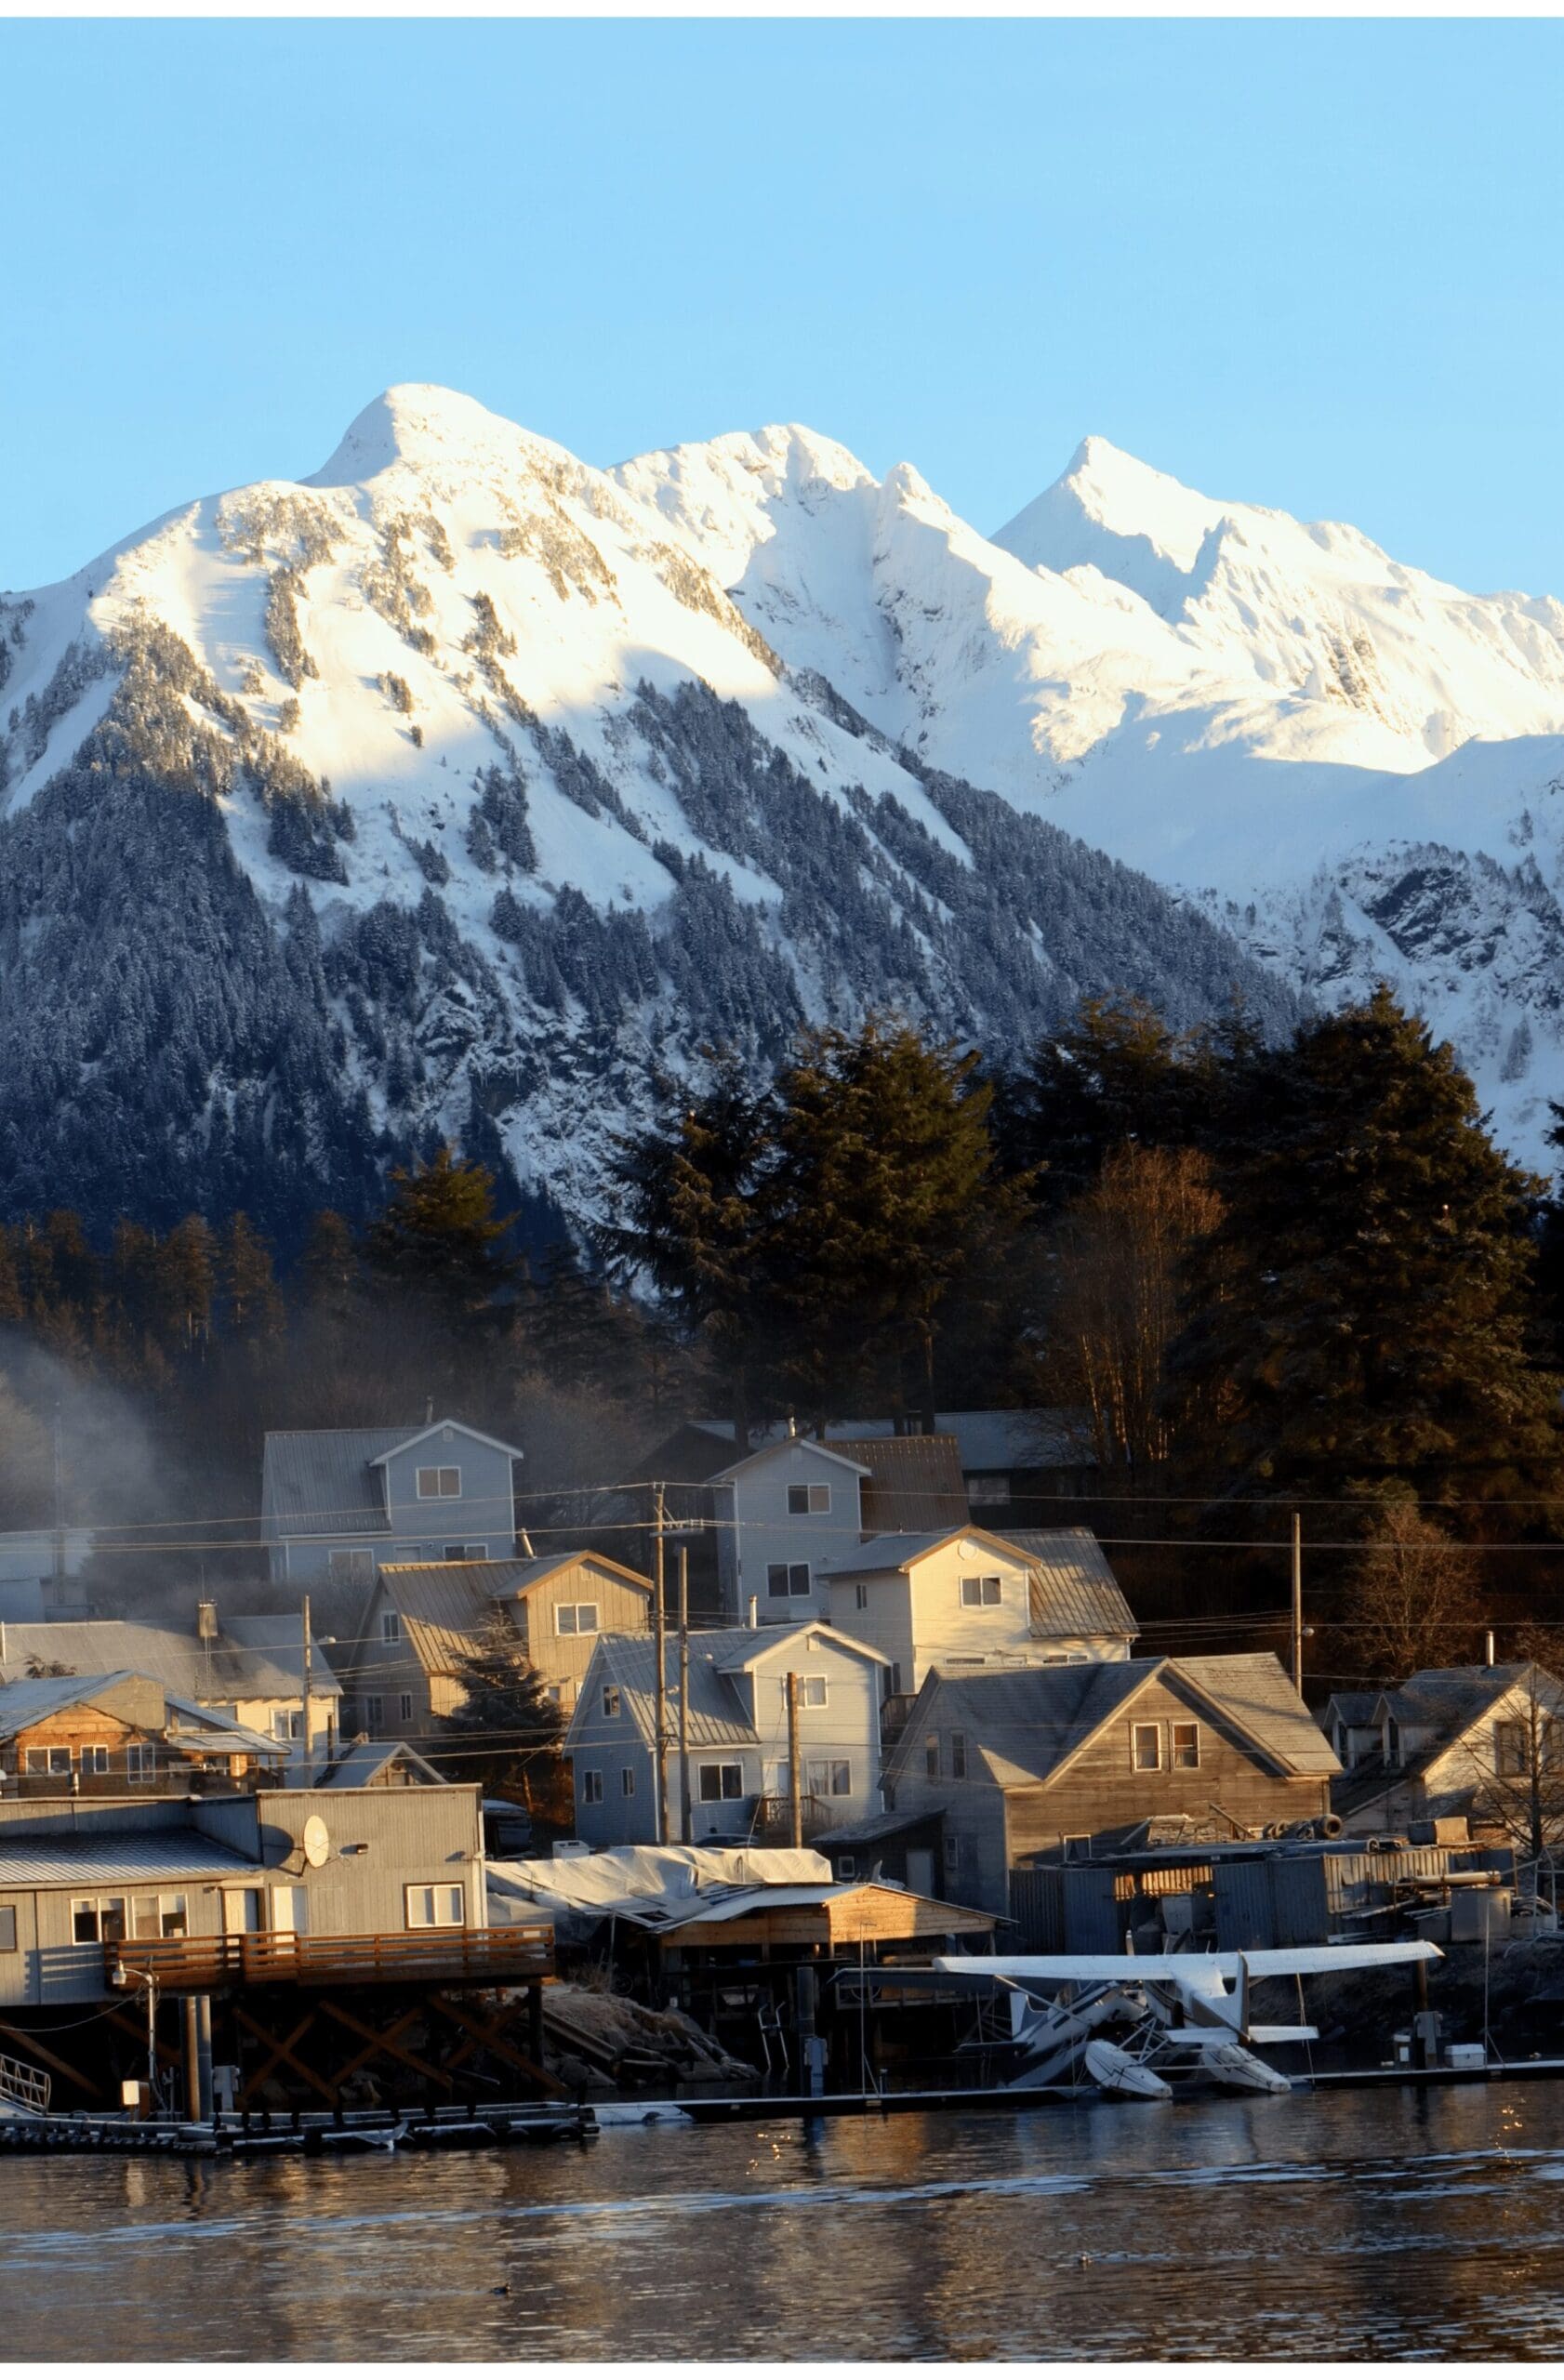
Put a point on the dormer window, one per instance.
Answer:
(976, 1594)
(808, 1496)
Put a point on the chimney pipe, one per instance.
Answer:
(754, 1611)
(1488, 1645)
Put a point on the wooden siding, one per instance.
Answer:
(562, 1661)
(869, 1913)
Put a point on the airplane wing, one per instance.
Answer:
(1197, 1970)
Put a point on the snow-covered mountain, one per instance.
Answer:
(1358, 768)
(460, 787)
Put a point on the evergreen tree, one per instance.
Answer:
(255, 1309)
(329, 1267)
(1362, 1307)
(505, 1733)
(440, 1238)
(1117, 1073)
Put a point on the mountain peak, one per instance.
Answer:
(1103, 498)
(418, 424)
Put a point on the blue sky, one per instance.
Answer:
(1314, 265)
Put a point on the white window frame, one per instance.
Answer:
(406, 1710)
(1176, 1752)
(815, 1692)
(841, 1787)
(575, 1626)
(287, 1726)
(140, 1762)
(1140, 1730)
(441, 1898)
(846, 1867)
(817, 1495)
(95, 1760)
(724, 1771)
(611, 1702)
(390, 1628)
(169, 1913)
(93, 1906)
(351, 1565)
(982, 1600)
(439, 1472)
(591, 1788)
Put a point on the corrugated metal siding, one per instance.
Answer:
(318, 1482)
(1093, 1922)
(1037, 1903)
(1300, 1898)
(1245, 1916)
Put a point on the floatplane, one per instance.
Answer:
(1138, 2026)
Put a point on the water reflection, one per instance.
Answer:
(1386, 2224)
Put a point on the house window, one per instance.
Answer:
(1147, 1747)
(467, 1553)
(1393, 1742)
(610, 1701)
(846, 1867)
(409, 1553)
(51, 1760)
(158, 1917)
(8, 1928)
(627, 1783)
(435, 1905)
(140, 1762)
(592, 1787)
(842, 1779)
(373, 1712)
(930, 1754)
(439, 1483)
(288, 1726)
(958, 1753)
(988, 1488)
(812, 1693)
(953, 1852)
(95, 1760)
(1341, 1740)
(1185, 1744)
(407, 1702)
(576, 1619)
(720, 1780)
(98, 1921)
(390, 1628)
(1509, 1748)
(811, 1495)
(977, 1592)
(860, 1596)
(787, 1578)
(351, 1565)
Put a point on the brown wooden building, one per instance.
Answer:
(1021, 1762)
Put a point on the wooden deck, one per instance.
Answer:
(486, 1954)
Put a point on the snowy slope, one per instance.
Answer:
(1354, 765)
(449, 791)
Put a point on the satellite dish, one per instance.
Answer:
(317, 1842)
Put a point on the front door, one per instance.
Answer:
(289, 1904)
(241, 1912)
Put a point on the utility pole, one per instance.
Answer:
(795, 1790)
(1298, 1603)
(659, 1636)
(684, 1694)
(308, 1771)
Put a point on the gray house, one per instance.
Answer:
(739, 1780)
(335, 1505)
(249, 1671)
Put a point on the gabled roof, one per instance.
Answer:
(1354, 1709)
(324, 1483)
(718, 1656)
(405, 1444)
(254, 1656)
(1074, 1591)
(26, 1700)
(1001, 1438)
(1027, 1725)
(817, 1449)
(364, 1764)
(1447, 1704)
(902, 1548)
(447, 1608)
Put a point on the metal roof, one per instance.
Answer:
(445, 1607)
(913, 1483)
(1074, 1591)
(1028, 1722)
(719, 1715)
(253, 1657)
(169, 1855)
(209, 1731)
(1049, 1438)
(364, 1764)
(321, 1483)
(25, 1701)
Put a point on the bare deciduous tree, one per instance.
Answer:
(1521, 1764)
(1411, 1595)
(1121, 1250)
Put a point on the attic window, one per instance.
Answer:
(576, 1619)
(438, 1481)
(1509, 1748)
(977, 1592)
(808, 1496)
(1147, 1747)
(390, 1628)
(1185, 1743)
(610, 1701)
(958, 1753)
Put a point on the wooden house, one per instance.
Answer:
(1027, 1760)
(422, 1620)
(247, 1668)
(1460, 1744)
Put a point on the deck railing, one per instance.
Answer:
(773, 1817)
(439, 1953)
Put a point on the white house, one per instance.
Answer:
(335, 1504)
(1461, 1743)
(738, 1769)
(963, 1598)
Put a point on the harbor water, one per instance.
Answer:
(1385, 2223)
